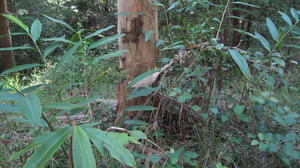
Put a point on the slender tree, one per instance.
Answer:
(136, 18)
(5, 41)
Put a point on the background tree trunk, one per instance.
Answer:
(8, 59)
(142, 55)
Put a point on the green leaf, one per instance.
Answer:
(263, 41)
(20, 68)
(9, 108)
(67, 56)
(116, 149)
(245, 4)
(188, 156)
(286, 18)
(60, 22)
(58, 39)
(17, 21)
(174, 46)
(88, 100)
(155, 158)
(241, 62)
(82, 149)
(135, 122)
(254, 142)
(148, 35)
(137, 134)
(196, 108)
(50, 49)
(30, 107)
(279, 61)
(261, 136)
(13, 34)
(41, 123)
(16, 48)
(32, 144)
(105, 41)
(292, 46)
(36, 30)
(47, 148)
(173, 5)
(184, 97)
(238, 110)
(99, 32)
(32, 88)
(9, 97)
(141, 92)
(61, 106)
(295, 14)
(214, 110)
(140, 108)
(142, 76)
(110, 55)
(273, 29)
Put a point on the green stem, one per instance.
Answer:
(283, 37)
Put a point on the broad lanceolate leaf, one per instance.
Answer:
(20, 68)
(41, 123)
(9, 108)
(99, 32)
(14, 34)
(32, 88)
(135, 122)
(48, 146)
(60, 22)
(173, 5)
(115, 148)
(273, 29)
(293, 46)
(241, 62)
(141, 92)
(295, 14)
(58, 39)
(67, 56)
(17, 21)
(105, 41)
(140, 108)
(16, 48)
(31, 108)
(244, 32)
(50, 49)
(32, 144)
(82, 149)
(36, 30)
(263, 41)
(9, 97)
(61, 106)
(246, 4)
(286, 18)
(110, 55)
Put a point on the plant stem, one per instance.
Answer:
(283, 37)
(223, 18)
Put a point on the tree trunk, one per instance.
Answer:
(142, 55)
(8, 59)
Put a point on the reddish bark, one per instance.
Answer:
(142, 55)
(7, 56)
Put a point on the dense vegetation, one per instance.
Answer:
(227, 94)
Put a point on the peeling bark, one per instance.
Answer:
(142, 55)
